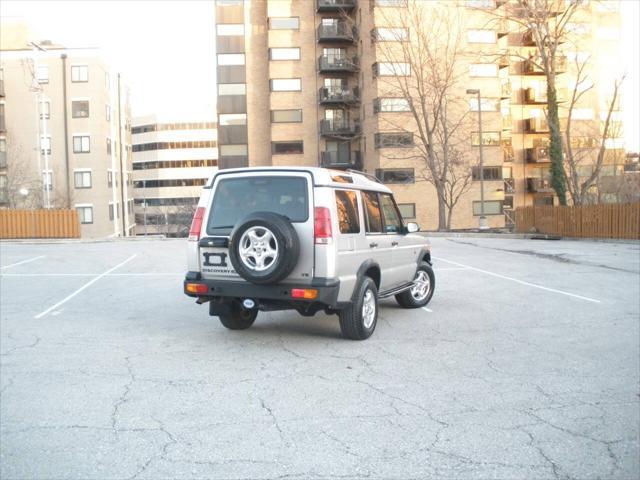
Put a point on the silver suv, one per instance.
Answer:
(308, 239)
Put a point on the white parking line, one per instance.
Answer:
(23, 261)
(427, 309)
(450, 269)
(522, 282)
(86, 285)
(145, 274)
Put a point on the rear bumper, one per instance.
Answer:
(327, 288)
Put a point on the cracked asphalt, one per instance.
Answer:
(526, 366)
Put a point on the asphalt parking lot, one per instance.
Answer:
(524, 365)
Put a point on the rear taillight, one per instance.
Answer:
(196, 224)
(322, 226)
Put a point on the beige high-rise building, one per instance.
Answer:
(172, 159)
(305, 82)
(65, 138)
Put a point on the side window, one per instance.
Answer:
(372, 210)
(392, 221)
(347, 205)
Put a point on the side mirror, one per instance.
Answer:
(413, 227)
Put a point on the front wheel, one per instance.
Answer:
(239, 318)
(358, 321)
(422, 291)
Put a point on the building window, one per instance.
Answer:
(231, 59)
(407, 210)
(226, 119)
(487, 104)
(45, 109)
(230, 30)
(286, 84)
(481, 36)
(82, 178)
(348, 214)
(4, 190)
(286, 116)
(396, 175)
(541, 200)
(3, 153)
(489, 139)
(42, 74)
(483, 70)
(109, 179)
(107, 113)
(393, 140)
(85, 213)
(284, 53)
(45, 145)
(392, 69)
(81, 144)
(145, 147)
(391, 105)
(373, 216)
(232, 89)
(80, 108)
(285, 148)
(390, 34)
(108, 146)
(79, 73)
(233, 150)
(491, 207)
(47, 179)
(489, 173)
(284, 23)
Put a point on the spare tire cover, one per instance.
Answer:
(264, 247)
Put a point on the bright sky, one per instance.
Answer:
(166, 49)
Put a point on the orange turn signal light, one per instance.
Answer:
(304, 293)
(197, 288)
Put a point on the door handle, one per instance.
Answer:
(373, 245)
(394, 244)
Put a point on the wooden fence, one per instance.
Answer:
(39, 224)
(620, 220)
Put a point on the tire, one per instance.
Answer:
(239, 318)
(264, 248)
(415, 297)
(353, 323)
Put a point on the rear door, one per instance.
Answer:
(378, 245)
(236, 195)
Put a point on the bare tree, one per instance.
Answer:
(587, 147)
(430, 79)
(25, 188)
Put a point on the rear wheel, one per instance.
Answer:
(239, 318)
(358, 321)
(422, 291)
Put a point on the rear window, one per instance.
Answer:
(236, 198)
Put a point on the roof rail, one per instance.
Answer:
(364, 174)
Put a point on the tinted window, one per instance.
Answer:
(372, 210)
(235, 198)
(392, 222)
(347, 206)
(281, 148)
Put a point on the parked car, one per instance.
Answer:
(307, 239)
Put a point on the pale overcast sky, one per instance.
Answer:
(166, 49)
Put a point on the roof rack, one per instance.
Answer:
(365, 174)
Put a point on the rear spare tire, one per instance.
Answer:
(264, 247)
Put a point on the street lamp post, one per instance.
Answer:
(483, 219)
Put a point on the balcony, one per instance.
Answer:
(509, 185)
(533, 66)
(507, 122)
(339, 31)
(505, 90)
(531, 96)
(508, 154)
(323, 6)
(537, 155)
(502, 27)
(504, 61)
(351, 159)
(339, 128)
(539, 185)
(337, 95)
(338, 63)
(536, 125)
